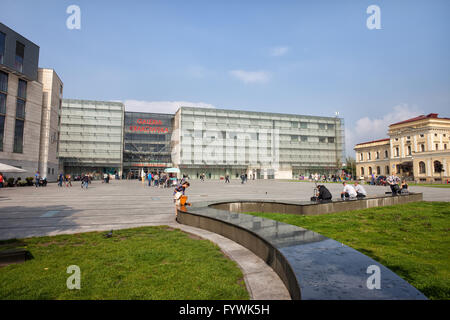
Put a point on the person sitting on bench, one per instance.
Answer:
(348, 192)
(324, 194)
(360, 191)
(404, 187)
(393, 181)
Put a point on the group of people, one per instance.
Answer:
(66, 178)
(161, 180)
(357, 191)
(316, 177)
(397, 186)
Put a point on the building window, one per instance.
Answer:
(20, 108)
(22, 90)
(369, 157)
(303, 125)
(3, 82)
(2, 46)
(378, 155)
(387, 169)
(20, 117)
(322, 126)
(386, 154)
(361, 157)
(396, 139)
(362, 171)
(294, 124)
(422, 147)
(294, 138)
(445, 146)
(437, 166)
(397, 152)
(321, 139)
(409, 150)
(304, 138)
(2, 128)
(422, 135)
(370, 171)
(421, 167)
(330, 126)
(378, 170)
(330, 139)
(437, 146)
(18, 136)
(20, 53)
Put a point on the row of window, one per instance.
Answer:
(422, 136)
(20, 52)
(397, 152)
(20, 111)
(422, 168)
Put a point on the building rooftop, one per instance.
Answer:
(380, 140)
(421, 117)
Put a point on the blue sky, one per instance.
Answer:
(304, 57)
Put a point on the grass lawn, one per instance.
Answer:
(413, 239)
(140, 263)
(436, 185)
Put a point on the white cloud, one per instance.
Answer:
(251, 76)
(161, 106)
(368, 129)
(278, 51)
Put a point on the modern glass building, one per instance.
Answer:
(98, 137)
(218, 142)
(147, 138)
(91, 137)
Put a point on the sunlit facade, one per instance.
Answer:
(218, 142)
(91, 137)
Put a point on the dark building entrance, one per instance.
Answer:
(147, 139)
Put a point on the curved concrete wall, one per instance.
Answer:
(314, 208)
(310, 265)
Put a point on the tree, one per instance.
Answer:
(351, 166)
(438, 168)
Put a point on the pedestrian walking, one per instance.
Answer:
(37, 177)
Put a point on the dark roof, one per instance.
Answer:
(380, 140)
(421, 117)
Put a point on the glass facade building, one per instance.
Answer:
(147, 138)
(91, 137)
(218, 142)
(97, 137)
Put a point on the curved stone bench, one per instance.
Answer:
(310, 265)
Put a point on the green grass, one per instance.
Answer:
(140, 263)
(411, 239)
(436, 185)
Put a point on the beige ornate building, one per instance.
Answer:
(417, 149)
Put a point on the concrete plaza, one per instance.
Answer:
(29, 211)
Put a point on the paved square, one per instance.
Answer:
(30, 211)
